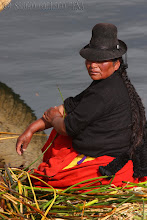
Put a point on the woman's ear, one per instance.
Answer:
(117, 65)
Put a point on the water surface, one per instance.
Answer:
(40, 43)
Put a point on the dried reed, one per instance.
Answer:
(20, 200)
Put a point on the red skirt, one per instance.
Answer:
(61, 153)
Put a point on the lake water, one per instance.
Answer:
(40, 42)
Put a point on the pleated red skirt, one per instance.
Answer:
(61, 153)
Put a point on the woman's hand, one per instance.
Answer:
(61, 110)
(50, 114)
(25, 138)
(55, 118)
(23, 141)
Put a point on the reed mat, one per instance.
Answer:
(19, 199)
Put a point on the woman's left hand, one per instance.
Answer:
(50, 114)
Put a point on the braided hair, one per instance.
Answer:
(137, 111)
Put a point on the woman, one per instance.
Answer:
(103, 131)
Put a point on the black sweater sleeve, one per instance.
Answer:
(71, 103)
(87, 110)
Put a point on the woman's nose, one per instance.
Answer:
(93, 65)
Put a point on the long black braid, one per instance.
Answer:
(138, 146)
(137, 110)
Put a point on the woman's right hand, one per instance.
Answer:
(23, 141)
(38, 125)
(25, 138)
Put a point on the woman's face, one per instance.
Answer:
(101, 70)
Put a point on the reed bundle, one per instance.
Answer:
(20, 200)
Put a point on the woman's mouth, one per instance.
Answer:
(93, 72)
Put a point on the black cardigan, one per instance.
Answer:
(99, 118)
(99, 122)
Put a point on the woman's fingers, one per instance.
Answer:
(51, 113)
(23, 141)
(24, 146)
(19, 146)
(61, 109)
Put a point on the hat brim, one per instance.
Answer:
(94, 54)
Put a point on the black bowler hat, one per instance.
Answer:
(104, 44)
